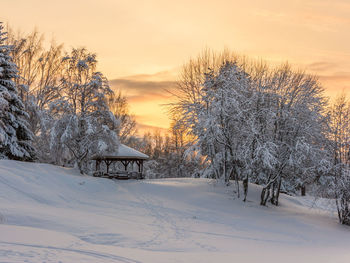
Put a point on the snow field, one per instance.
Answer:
(53, 214)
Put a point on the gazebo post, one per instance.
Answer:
(97, 165)
(108, 163)
(141, 167)
(125, 163)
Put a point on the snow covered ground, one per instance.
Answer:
(53, 214)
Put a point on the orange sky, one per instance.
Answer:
(142, 44)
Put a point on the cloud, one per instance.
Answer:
(336, 83)
(321, 66)
(141, 84)
(145, 87)
(139, 90)
(336, 77)
(146, 94)
(158, 76)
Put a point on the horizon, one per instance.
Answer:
(142, 46)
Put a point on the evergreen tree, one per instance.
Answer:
(15, 137)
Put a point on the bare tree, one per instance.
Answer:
(118, 105)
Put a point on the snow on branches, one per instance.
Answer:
(258, 124)
(83, 124)
(15, 136)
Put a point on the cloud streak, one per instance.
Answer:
(338, 77)
(147, 94)
(142, 85)
(321, 66)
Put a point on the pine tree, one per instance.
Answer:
(15, 137)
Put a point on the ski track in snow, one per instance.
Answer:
(50, 249)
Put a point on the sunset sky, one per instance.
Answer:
(141, 45)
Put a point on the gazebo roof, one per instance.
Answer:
(124, 153)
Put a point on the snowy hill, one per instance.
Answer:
(53, 214)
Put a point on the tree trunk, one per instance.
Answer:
(303, 190)
(275, 191)
(265, 193)
(80, 166)
(245, 187)
(277, 194)
(236, 180)
(344, 212)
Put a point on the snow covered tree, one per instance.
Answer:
(83, 124)
(226, 97)
(67, 101)
(339, 148)
(298, 130)
(26, 52)
(255, 123)
(15, 137)
(39, 83)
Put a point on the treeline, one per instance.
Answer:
(272, 126)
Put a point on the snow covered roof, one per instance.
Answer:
(124, 152)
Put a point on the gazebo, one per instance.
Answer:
(125, 155)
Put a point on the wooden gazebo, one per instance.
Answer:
(125, 155)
